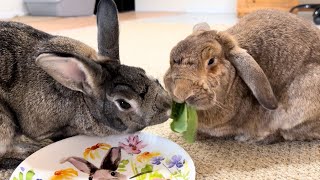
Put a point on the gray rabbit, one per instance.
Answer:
(53, 87)
(258, 81)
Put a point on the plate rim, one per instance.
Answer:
(191, 164)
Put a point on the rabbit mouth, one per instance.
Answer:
(195, 100)
(117, 125)
(200, 102)
(134, 129)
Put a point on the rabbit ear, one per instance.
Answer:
(250, 71)
(75, 73)
(108, 28)
(112, 159)
(201, 27)
(81, 164)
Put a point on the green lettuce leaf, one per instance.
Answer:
(190, 134)
(179, 115)
(185, 121)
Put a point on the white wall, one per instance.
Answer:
(205, 6)
(11, 8)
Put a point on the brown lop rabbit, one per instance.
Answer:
(53, 87)
(258, 81)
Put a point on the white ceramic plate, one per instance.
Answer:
(140, 153)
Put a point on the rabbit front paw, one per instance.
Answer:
(261, 140)
(246, 138)
(242, 138)
(3, 147)
(24, 146)
(45, 142)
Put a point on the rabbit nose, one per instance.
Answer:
(164, 101)
(182, 91)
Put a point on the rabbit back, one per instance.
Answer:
(17, 43)
(28, 91)
(281, 43)
(286, 47)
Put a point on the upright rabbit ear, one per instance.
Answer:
(108, 28)
(81, 164)
(112, 159)
(249, 70)
(75, 73)
(201, 27)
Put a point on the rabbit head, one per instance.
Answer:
(203, 66)
(119, 96)
(107, 169)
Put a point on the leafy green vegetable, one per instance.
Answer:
(179, 116)
(185, 121)
(177, 110)
(190, 134)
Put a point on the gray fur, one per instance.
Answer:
(285, 49)
(53, 87)
(108, 31)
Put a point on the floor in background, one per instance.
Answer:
(65, 23)
(194, 18)
(213, 19)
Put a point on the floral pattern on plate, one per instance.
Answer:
(23, 174)
(136, 156)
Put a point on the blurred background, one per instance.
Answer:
(148, 28)
(35, 12)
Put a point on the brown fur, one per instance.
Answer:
(264, 85)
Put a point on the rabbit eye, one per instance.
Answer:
(177, 60)
(211, 61)
(123, 104)
(113, 173)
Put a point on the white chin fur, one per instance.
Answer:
(169, 112)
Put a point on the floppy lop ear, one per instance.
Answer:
(76, 73)
(249, 70)
(81, 164)
(200, 27)
(112, 159)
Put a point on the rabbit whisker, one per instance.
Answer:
(220, 105)
(182, 77)
(218, 82)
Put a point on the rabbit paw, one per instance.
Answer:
(242, 138)
(23, 146)
(45, 142)
(26, 140)
(261, 140)
(3, 147)
(248, 139)
(23, 150)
